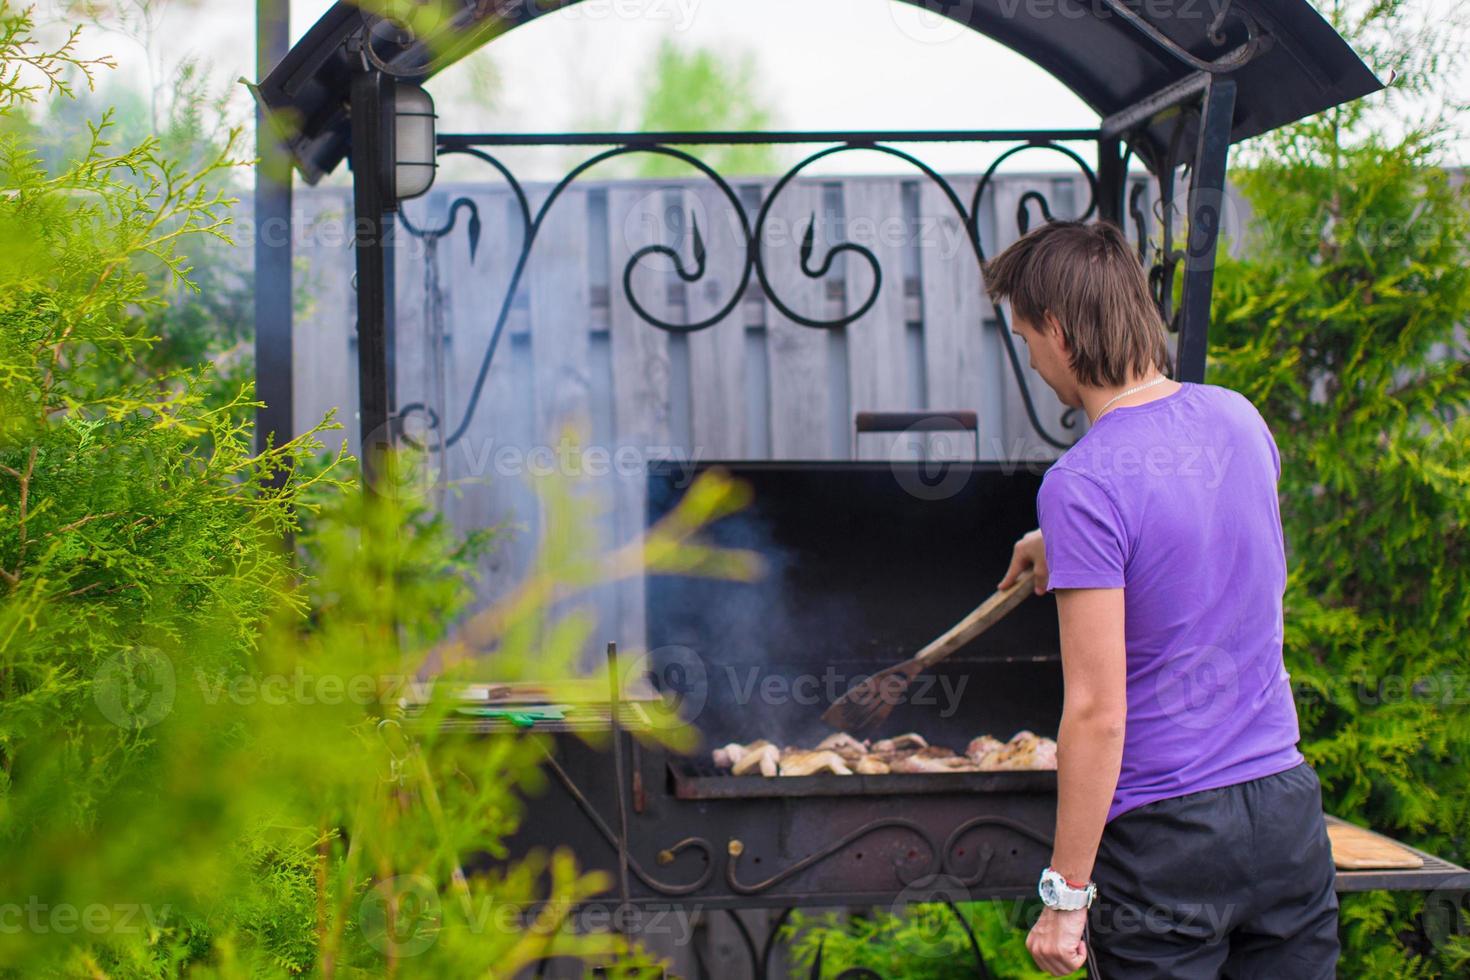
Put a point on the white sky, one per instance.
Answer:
(879, 65)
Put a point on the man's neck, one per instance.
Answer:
(1095, 400)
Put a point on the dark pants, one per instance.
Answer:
(1234, 882)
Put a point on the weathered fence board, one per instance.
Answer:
(796, 354)
(963, 363)
(717, 354)
(877, 356)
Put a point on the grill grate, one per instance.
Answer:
(700, 780)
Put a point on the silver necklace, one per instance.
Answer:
(1131, 391)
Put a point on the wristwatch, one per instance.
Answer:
(1058, 893)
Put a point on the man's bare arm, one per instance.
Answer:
(1094, 712)
(1089, 756)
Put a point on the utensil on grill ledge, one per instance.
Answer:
(869, 702)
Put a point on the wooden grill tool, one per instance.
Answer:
(869, 702)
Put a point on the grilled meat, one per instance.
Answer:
(761, 756)
(845, 745)
(980, 748)
(900, 743)
(1025, 751)
(798, 762)
(932, 758)
(842, 755)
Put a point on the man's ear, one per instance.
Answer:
(1053, 328)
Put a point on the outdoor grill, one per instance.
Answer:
(866, 561)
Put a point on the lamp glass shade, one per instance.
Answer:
(413, 167)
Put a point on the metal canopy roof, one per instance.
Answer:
(1286, 60)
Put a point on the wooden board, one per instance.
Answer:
(717, 353)
(964, 363)
(1358, 849)
(877, 360)
(797, 354)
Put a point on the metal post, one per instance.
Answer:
(1110, 180)
(273, 363)
(372, 174)
(1206, 205)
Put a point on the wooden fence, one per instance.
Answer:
(756, 385)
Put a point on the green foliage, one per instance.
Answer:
(1344, 324)
(203, 762)
(208, 319)
(917, 942)
(700, 90)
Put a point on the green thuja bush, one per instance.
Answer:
(204, 767)
(1343, 320)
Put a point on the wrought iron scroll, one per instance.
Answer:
(434, 297)
(814, 267)
(666, 856)
(1069, 417)
(1161, 259)
(736, 848)
(532, 227)
(1255, 41)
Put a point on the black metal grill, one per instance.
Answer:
(865, 566)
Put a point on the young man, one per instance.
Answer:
(1183, 805)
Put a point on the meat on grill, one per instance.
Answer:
(842, 754)
(759, 756)
(795, 762)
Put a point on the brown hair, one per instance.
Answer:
(1088, 277)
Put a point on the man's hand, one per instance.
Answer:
(1056, 943)
(1028, 553)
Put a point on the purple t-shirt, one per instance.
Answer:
(1174, 501)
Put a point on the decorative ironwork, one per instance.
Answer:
(666, 856)
(1162, 259)
(736, 848)
(1236, 58)
(434, 325)
(951, 846)
(751, 237)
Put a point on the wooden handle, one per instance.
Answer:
(978, 621)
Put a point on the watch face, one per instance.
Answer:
(1048, 891)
